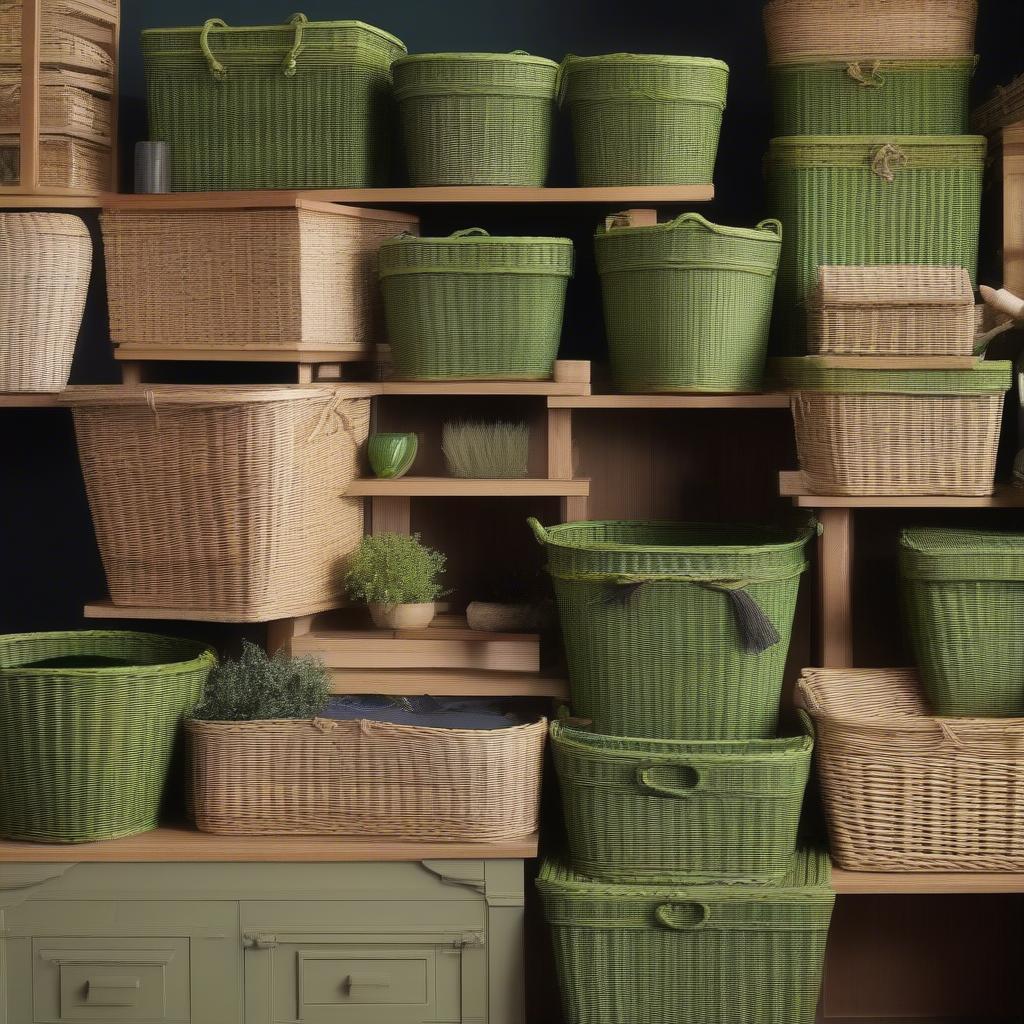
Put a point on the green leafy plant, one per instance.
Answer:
(253, 687)
(392, 568)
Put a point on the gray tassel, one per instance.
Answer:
(755, 627)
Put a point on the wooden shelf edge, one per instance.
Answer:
(768, 400)
(792, 485)
(883, 882)
(128, 352)
(68, 201)
(29, 400)
(104, 608)
(456, 487)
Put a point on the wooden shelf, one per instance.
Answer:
(106, 609)
(29, 400)
(868, 882)
(768, 400)
(792, 485)
(127, 352)
(69, 201)
(448, 683)
(571, 377)
(456, 487)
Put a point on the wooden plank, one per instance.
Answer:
(28, 400)
(895, 362)
(210, 353)
(910, 882)
(560, 458)
(1013, 208)
(55, 199)
(106, 609)
(448, 683)
(455, 487)
(572, 371)
(31, 31)
(769, 400)
(792, 485)
(390, 515)
(574, 509)
(835, 588)
(571, 377)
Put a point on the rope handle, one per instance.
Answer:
(886, 160)
(646, 780)
(772, 226)
(679, 917)
(870, 79)
(217, 70)
(291, 61)
(471, 233)
(538, 531)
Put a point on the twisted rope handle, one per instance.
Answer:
(291, 63)
(886, 160)
(870, 80)
(471, 233)
(217, 70)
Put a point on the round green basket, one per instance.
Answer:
(644, 120)
(474, 307)
(476, 118)
(676, 630)
(688, 304)
(88, 723)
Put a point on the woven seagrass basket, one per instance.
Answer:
(905, 791)
(688, 304)
(70, 103)
(668, 811)
(69, 38)
(644, 120)
(63, 163)
(1005, 107)
(675, 954)
(674, 630)
(88, 722)
(476, 118)
(366, 778)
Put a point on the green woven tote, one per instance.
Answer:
(688, 304)
(716, 954)
(302, 105)
(676, 630)
(88, 722)
(476, 118)
(963, 605)
(644, 120)
(908, 97)
(691, 811)
(472, 306)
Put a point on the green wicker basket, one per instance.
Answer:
(472, 306)
(476, 118)
(676, 630)
(670, 811)
(963, 601)
(688, 304)
(644, 120)
(302, 105)
(717, 954)
(88, 722)
(909, 97)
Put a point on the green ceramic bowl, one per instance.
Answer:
(392, 455)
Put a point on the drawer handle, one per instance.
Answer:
(112, 991)
(366, 981)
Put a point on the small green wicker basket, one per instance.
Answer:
(674, 630)
(474, 307)
(717, 954)
(963, 603)
(476, 118)
(669, 811)
(88, 723)
(688, 304)
(639, 119)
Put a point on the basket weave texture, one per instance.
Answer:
(905, 791)
(476, 118)
(1005, 107)
(63, 163)
(65, 38)
(65, 107)
(366, 778)
(650, 954)
(665, 811)
(85, 751)
(223, 500)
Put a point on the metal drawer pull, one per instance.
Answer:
(366, 981)
(112, 991)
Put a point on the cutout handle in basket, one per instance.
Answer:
(687, 780)
(772, 226)
(682, 917)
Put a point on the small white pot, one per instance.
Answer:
(402, 616)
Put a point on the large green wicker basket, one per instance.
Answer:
(88, 722)
(644, 120)
(908, 97)
(669, 811)
(302, 105)
(688, 304)
(717, 954)
(473, 306)
(963, 600)
(476, 118)
(676, 630)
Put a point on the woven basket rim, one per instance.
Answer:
(927, 540)
(805, 373)
(195, 394)
(861, 141)
(653, 59)
(406, 239)
(468, 56)
(285, 28)
(837, 286)
(682, 222)
(891, 63)
(324, 726)
(64, 225)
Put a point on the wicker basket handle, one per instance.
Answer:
(538, 531)
(471, 233)
(869, 78)
(217, 70)
(772, 226)
(682, 917)
(689, 780)
(291, 61)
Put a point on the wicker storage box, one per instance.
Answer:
(476, 118)
(63, 163)
(228, 502)
(721, 954)
(473, 306)
(45, 262)
(366, 778)
(896, 431)
(88, 723)
(297, 277)
(905, 791)
(674, 630)
(688, 304)
(70, 103)
(69, 39)
(644, 120)
(1005, 107)
(963, 598)
(302, 105)
(669, 811)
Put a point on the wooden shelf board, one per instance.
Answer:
(69, 201)
(29, 400)
(497, 388)
(448, 683)
(128, 352)
(792, 485)
(456, 487)
(768, 400)
(106, 609)
(867, 882)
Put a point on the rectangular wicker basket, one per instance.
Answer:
(63, 163)
(70, 103)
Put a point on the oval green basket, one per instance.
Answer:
(476, 118)
(88, 723)
(641, 119)
(688, 304)
(474, 307)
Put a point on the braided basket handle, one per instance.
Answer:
(538, 531)
(217, 70)
(772, 226)
(471, 233)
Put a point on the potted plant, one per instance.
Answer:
(396, 577)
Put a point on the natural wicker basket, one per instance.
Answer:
(88, 723)
(366, 778)
(688, 304)
(227, 502)
(717, 954)
(476, 118)
(668, 811)
(63, 163)
(905, 791)
(644, 120)
(45, 262)
(66, 38)
(1005, 107)
(473, 306)
(70, 103)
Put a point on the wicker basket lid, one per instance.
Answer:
(884, 155)
(811, 373)
(461, 74)
(941, 553)
(894, 285)
(632, 77)
(61, 225)
(165, 395)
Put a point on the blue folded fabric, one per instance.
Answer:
(432, 712)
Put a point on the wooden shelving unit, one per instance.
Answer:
(449, 683)
(767, 400)
(863, 883)
(456, 487)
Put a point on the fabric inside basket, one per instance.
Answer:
(430, 712)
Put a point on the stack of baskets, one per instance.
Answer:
(682, 807)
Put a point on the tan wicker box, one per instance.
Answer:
(63, 163)
(70, 103)
(72, 36)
